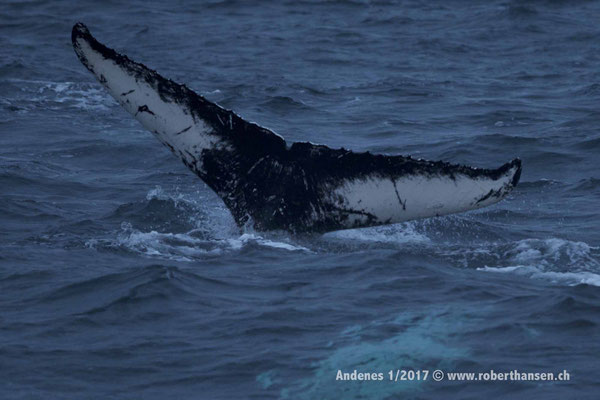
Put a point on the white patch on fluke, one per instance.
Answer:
(170, 122)
(417, 196)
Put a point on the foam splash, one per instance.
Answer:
(176, 196)
(197, 208)
(403, 233)
(250, 238)
(77, 95)
(185, 247)
(557, 260)
(210, 231)
(56, 95)
(559, 252)
(561, 278)
(176, 247)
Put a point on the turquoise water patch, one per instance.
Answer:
(422, 342)
(266, 379)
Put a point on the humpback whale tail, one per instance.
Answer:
(297, 187)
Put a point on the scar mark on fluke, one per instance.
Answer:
(183, 130)
(129, 92)
(351, 211)
(403, 204)
(494, 193)
(144, 108)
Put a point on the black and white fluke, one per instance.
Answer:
(275, 185)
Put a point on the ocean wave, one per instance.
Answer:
(175, 212)
(563, 278)
(29, 95)
(139, 288)
(185, 247)
(27, 177)
(75, 94)
(387, 19)
(285, 104)
(538, 184)
(555, 253)
(420, 341)
(587, 185)
(589, 90)
(403, 233)
(521, 11)
(588, 144)
(557, 260)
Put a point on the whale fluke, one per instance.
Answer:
(302, 187)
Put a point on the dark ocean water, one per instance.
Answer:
(123, 277)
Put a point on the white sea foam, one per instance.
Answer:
(247, 238)
(557, 260)
(56, 95)
(565, 278)
(185, 246)
(555, 253)
(399, 233)
(176, 196)
(220, 236)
